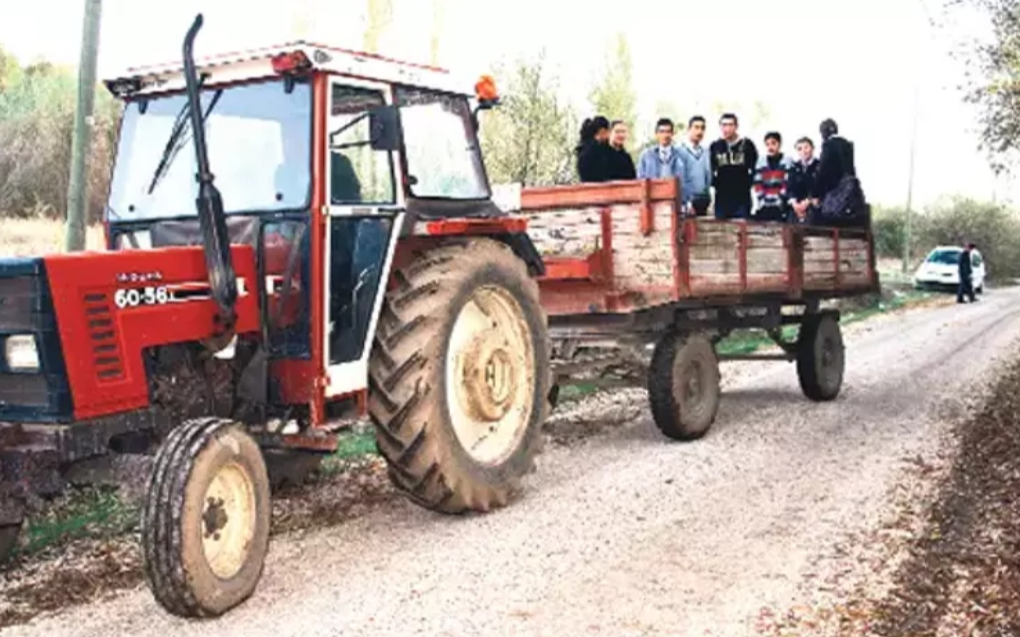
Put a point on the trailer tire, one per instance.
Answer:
(461, 348)
(290, 468)
(684, 386)
(554, 397)
(820, 357)
(205, 524)
(8, 540)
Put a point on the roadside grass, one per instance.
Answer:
(79, 513)
(35, 237)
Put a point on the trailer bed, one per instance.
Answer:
(621, 247)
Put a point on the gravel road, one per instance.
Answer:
(625, 533)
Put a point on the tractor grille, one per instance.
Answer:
(23, 390)
(17, 296)
(103, 332)
(26, 308)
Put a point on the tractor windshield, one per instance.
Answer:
(443, 157)
(259, 138)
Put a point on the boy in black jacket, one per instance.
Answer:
(733, 162)
(802, 182)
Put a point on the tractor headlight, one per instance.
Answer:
(21, 353)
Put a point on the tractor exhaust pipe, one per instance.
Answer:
(211, 218)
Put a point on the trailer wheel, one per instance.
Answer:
(683, 386)
(460, 377)
(554, 397)
(820, 357)
(205, 526)
(8, 540)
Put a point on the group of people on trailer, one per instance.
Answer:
(806, 189)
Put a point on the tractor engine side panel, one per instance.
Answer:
(112, 306)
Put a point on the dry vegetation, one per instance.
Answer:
(34, 237)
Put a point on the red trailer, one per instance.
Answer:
(626, 274)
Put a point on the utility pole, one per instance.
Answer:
(908, 223)
(78, 186)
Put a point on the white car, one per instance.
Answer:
(940, 270)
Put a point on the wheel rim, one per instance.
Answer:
(228, 520)
(829, 361)
(693, 388)
(490, 375)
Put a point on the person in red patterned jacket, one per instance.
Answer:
(771, 175)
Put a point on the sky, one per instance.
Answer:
(860, 62)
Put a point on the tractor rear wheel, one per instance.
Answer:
(683, 386)
(205, 526)
(460, 377)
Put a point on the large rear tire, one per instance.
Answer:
(205, 526)
(684, 386)
(820, 357)
(460, 377)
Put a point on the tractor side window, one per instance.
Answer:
(357, 173)
(443, 158)
(286, 244)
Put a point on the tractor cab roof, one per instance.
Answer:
(279, 60)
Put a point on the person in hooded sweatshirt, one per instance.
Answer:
(800, 182)
(836, 162)
(593, 150)
(733, 162)
(620, 163)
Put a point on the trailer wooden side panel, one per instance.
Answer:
(643, 260)
(621, 247)
(735, 257)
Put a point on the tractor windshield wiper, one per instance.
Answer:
(178, 139)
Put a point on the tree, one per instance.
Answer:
(993, 80)
(614, 95)
(529, 138)
(36, 120)
(380, 16)
(750, 116)
(438, 23)
(663, 108)
(993, 228)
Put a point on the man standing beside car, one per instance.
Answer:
(966, 286)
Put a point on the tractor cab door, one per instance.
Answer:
(364, 214)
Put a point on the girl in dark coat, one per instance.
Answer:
(593, 150)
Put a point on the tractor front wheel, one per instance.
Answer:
(205, 526)
(460, 377)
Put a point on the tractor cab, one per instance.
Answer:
(323, 158)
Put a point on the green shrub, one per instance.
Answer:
(889, 226)
(37, 106)
(993, 228)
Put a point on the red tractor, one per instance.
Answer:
(354, 264)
